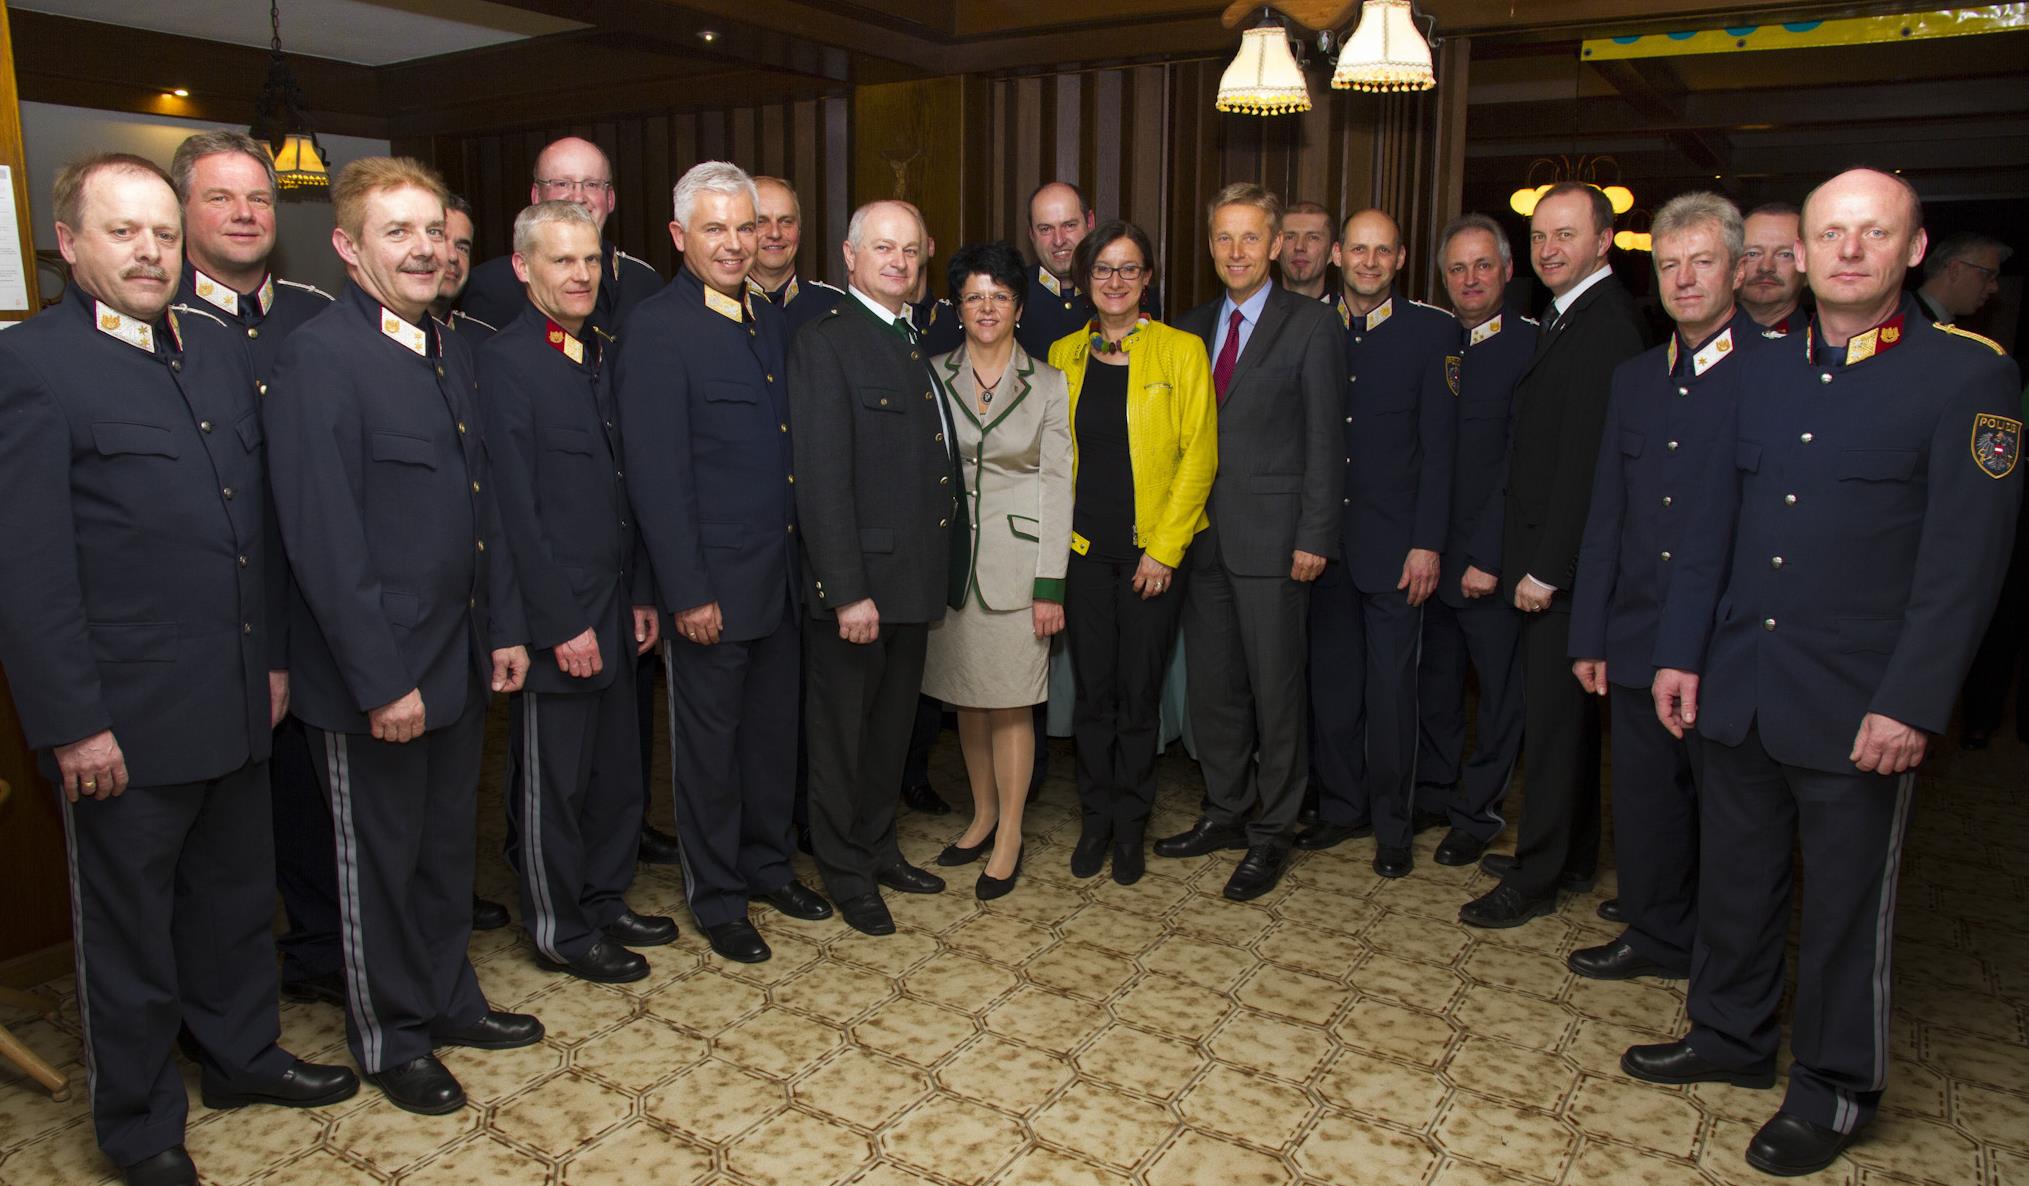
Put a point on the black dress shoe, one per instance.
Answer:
(487, 916)
(1676, 1063)
(492, 1030)
(922, 797)
(421, 1085)
(641, 930)
(603, 962)
(1394, 862)
(955, 855)
(739, 941)
(909, 879)
(798, 900)
(1789, 1146)
(1323, 835)
(1257, 872)
(327, 988)
(658, 848)
(303, 1085)
(1500, 864)
(1502, 907)
(867, 914)
(1973, 740)
(1129, 860)
(1202, 837)
(1617, 960)
(171, 1167)
(1424, 821)
(1610, 911)
(1459, 847)
(1090, 855)
(988, 888)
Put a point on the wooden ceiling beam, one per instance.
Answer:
(1653, 90)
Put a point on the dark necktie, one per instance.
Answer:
(1549, 324)
(1229, 356)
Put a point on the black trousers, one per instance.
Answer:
(644, 716)
(1363, 654)
(403, 820)
(573, 811)
(304, 874)
(1849, 826)
(1488, 635)
(172, 897)
(1120, 646)
(1655, 829)
(732, 724)
(1560, 761)
(860, 702)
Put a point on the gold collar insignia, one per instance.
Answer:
(411, 336)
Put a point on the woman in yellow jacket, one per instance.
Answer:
(1145, 444)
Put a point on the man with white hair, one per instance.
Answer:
(703, 389)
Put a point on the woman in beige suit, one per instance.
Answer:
(990, 658)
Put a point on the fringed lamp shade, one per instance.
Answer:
(300, 167)
(1385, 53)
(1264, 78)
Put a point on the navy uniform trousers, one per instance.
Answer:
(1655, 829)
(1487, 633)
(1363, 715)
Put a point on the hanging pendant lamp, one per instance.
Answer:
(1385, 52)
(1264, 78)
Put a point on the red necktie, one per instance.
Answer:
(1229, 355)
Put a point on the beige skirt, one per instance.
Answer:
(982, 658)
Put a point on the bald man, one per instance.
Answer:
(1059, 218)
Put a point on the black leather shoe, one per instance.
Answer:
(908, 879)
(327, 988)
(1500, 864)
(604, 962)
(492, 1030)
(421, 1085)
(1424, 821)
(487, 916)
(303, 1085)
(658, 848)
(171, 1167)
(1502, 907)
(1676, 1063)
(1203, 837)
(1322, 835)
(1129, 860)
(739, 941)
(1257, 872)
(1090, 855)
(1617, 960)
(1610, 911)
(867, 914)
(1459, 848)
(955, 855)
(922, 797)
(641, 930)
(798, 900)
(1789, 1146)
(1393, 862)
(989, 888)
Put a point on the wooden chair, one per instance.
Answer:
(11, 1047)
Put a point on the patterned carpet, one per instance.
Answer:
(1343, 1030)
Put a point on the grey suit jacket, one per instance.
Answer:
(1282, 464)
(1017, 461)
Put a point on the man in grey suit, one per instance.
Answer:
(1279, 372)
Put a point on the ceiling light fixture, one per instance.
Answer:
(1264, 78)
(1385, 52)
(708, 36)
(1586, 169)
(300, 169)
(180, 93)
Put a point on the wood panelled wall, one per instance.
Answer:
(807, 142)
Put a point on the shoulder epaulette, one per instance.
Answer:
(634, 259)
(1982, 339)
(1529, 320)
(309, 288)
(602, 333)
(832, 287)
(1429, 306)
(212, 317)
(455, 313)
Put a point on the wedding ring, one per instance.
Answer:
(91, 782)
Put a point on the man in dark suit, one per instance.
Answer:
(140, 637)
(1829, 603)
(400, 622)
(1590, 328)
(1366, 611)
(703, 391)
(877, 503)
(573, 757)
(1279, 374)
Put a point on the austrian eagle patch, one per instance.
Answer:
(1997, 441)
(1452, 363)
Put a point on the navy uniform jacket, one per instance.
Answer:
(705, 397)
(387, 508)
(552, 423)
(1870, 506)
(1053, 308)
(141, 576)
(1401, 434)
(802, 303)
(938, 330)
(1485, 369)
(265, 317)
(495, 297)
(1671, 408)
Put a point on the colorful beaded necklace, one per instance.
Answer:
(1101, 346)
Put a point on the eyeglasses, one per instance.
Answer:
(1127, 272)
(1989, 273)
(975, 300)
(572, 185)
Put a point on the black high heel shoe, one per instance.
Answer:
(990, 888)
(954, 855)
